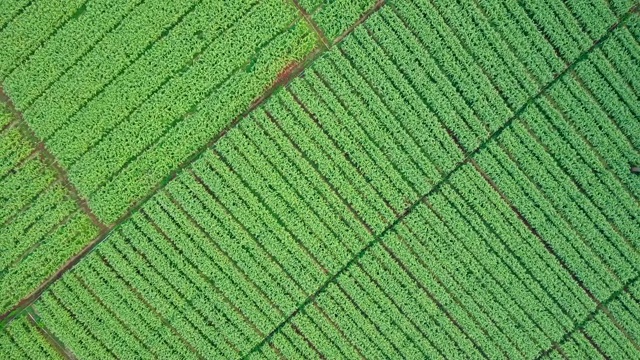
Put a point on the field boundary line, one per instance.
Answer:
(311, 298)
(307, 17)
(580, 326)
(51, 161)
(377, 6)
(281, 81)
(61, 176)
(57, 345)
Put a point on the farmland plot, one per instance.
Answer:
(23, 340)
(335, 17)
(449, 180)
(154, 85)
(41, 224)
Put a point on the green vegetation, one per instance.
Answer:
(450, 179)
(41, 225)
(30, 27)
(5, 119)
(336, 16)
(23, 340)
(154, 83)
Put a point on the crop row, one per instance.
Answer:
(191, 132)
(97, 158)
(65, 48)
(21, 36)
(188, 250)
(522, 306)
(610, 333)
(374, 310)
(106, 59)
(41, 226)
(330, 161)
(422, 92)
(22, 340)
(566, 157)
(339, 121)
(178, 229)
(517, 55)
(571, 28)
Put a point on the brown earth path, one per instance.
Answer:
(50, 160)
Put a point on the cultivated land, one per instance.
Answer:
(315, 179)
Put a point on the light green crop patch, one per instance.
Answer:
(187, 132)
(335, 17)
(41, 226)
(5, 115)
(20, 339)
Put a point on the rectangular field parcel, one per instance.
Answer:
(448, 180)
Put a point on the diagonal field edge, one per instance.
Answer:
(442, 182)
(50, 161)
(312, 24)
(580, 325)
(281, 82)
(32, 317)
(62, 176)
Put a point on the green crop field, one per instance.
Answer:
(335, 179)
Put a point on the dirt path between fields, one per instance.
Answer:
(312, 23)
(48, 159)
